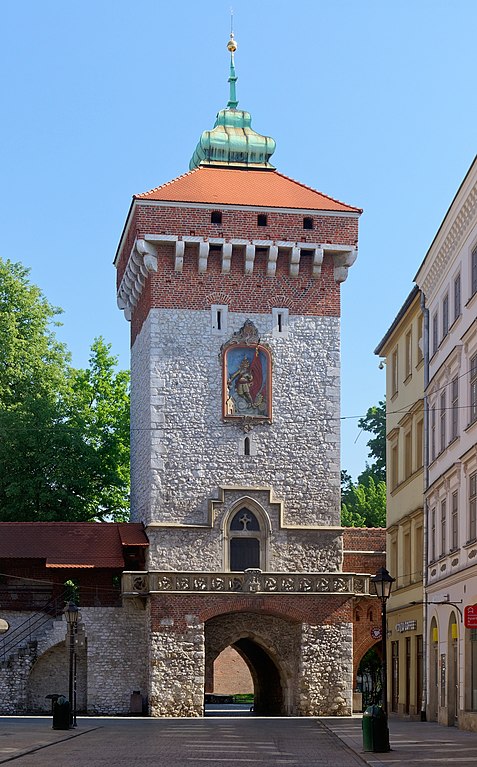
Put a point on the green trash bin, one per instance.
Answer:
(375, 730)
(61, 714)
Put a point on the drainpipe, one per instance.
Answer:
(425, 547)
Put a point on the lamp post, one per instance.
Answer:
(382, 583)
(71, 612)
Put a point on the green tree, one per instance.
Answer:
(99, 410)
(374, 422)
(64, 448)
(363, 504)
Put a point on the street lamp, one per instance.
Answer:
(382, 583)
(71, 612)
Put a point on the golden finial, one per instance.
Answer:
(232, 45)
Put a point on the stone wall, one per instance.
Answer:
(177, 667)
(326, 670)
(192, 452)
(110, 667)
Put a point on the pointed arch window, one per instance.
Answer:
(245, 541)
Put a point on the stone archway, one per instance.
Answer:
(269, 647)
(50, 674)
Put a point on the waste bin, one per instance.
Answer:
(61, 714)
(375, 730)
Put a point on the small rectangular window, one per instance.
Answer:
(219, 315)
(473, 389)
(442, 419)
(474, 271)
(443, 526)
(408, 454)
(279, 323)
(445, 315)
(394, 466)
(433, 535)
(262, 219)
(457, 298)
(433, 433)
(455, 408)
(455, 520)
(472, 506)
(435, 333)
(307, 222)
(408, 354)
(216, 217)
(394, 373)
(419, 443)
(420, 338)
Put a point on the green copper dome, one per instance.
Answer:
(232, 142)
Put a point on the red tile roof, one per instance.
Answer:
(70, 544)
(259, 188)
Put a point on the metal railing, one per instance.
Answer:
(26, 631)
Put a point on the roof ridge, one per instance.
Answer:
(167, 183)
(317, 191)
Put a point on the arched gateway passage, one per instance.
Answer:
(268, 645)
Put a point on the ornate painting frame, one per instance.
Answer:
(246, 378)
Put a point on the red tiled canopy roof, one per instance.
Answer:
(70, 544)
(258, 188)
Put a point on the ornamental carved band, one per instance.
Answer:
(246, 378)
(251, 582)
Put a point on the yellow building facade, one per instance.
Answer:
(402, 352)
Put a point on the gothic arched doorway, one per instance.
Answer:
(267, 646)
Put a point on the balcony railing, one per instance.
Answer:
(250, 582)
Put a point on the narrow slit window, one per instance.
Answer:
(262, 219)
(216, 217)
(246, 446)
(307, 222)
(219, 319)
(280, 322)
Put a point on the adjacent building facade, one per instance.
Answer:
(448, 281)
(402, 351)
(431, 383)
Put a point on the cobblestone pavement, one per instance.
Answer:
(229, 741)
(214, 742)
(413, 744)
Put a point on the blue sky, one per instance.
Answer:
(370, 102)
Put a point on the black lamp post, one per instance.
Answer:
(71, 612)
(382, 583)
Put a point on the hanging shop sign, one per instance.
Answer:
(470, 617)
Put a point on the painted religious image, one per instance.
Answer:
(247, 382)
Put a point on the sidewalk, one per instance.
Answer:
(22, 735)
(413, 744)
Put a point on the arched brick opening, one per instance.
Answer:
(269, 647)
(268, 692)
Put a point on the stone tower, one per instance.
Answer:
(230, 276)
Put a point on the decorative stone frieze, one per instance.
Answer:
(251, 581)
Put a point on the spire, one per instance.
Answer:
(232, 47)
(232, 142)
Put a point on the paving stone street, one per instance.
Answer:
(226, 741)
(218, 742)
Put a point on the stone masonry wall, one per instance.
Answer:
(177, 666)
(117, 657)
(112, 666)
(326, 670)
(192, 452)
